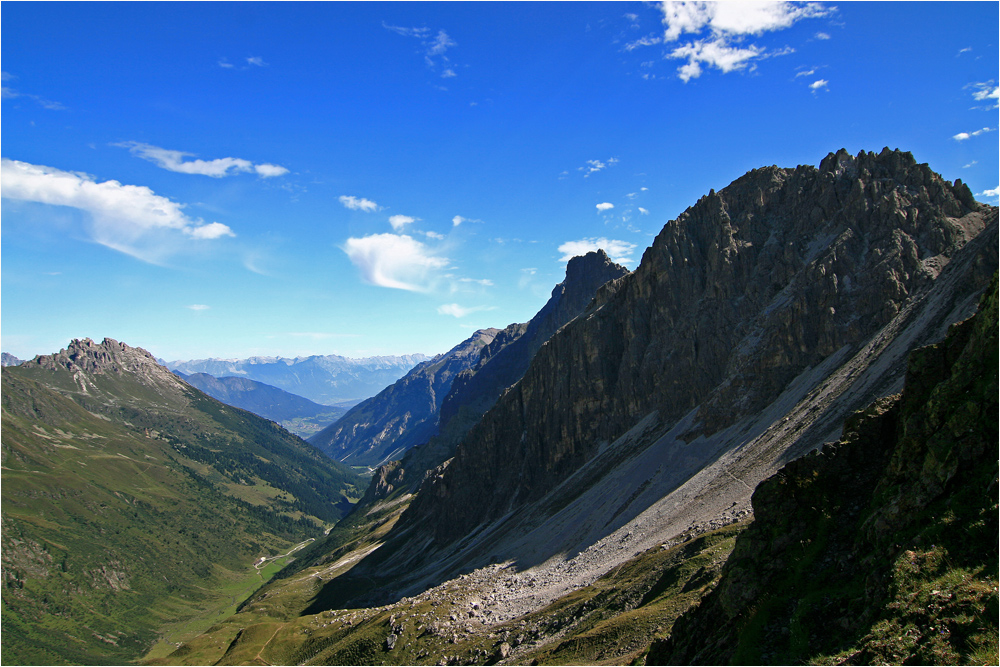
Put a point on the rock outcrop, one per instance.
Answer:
(880, 548)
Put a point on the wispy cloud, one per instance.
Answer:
(822, 35)
(129, 218)
(458, 220)
(962, 136)
(175, 161)
(359, 204)
(484, 281)
(643, 211)
(618, 251)
(198, 306)
(396, 261)
(400, 221)
(256, 61)
(456, 310)
(604, 206)
(720, 29)
(594, 166)
(8, 93)
(435, 46)
(990, 193)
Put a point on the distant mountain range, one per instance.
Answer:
(295, 413)
(324, 379)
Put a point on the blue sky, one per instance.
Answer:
(231, 179)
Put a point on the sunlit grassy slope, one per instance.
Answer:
(133, 516)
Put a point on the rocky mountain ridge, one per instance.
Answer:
(756, 322)
(501, 364)
(403, 414)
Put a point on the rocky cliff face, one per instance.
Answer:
(745, 291)
(880, 548)
(403, 414)
(503, 362)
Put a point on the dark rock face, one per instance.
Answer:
(736, 297)
(401, 415)
(504, 361)
(908, 494)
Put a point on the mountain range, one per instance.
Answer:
(325, 379)
(705, 460)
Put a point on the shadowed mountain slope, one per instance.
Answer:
(881, 548)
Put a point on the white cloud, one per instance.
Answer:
(716, 53)
(397, 261)
(174, 161)
(618, 251)
(269, 170)
(605, 206)
(816, 85)
(643, 211)
(457, 220)
(986, 91)
(256, 61)
(991, 193)
(456, 310)
(434, 235)
(962, 136)
(722, 26)
(448, 74)
(966, 166)
(808, 72)
(225, 64)
(128, 218)
(400, 221)
(356, 204)
(198, 306)
(594, 166)
(822, 35)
